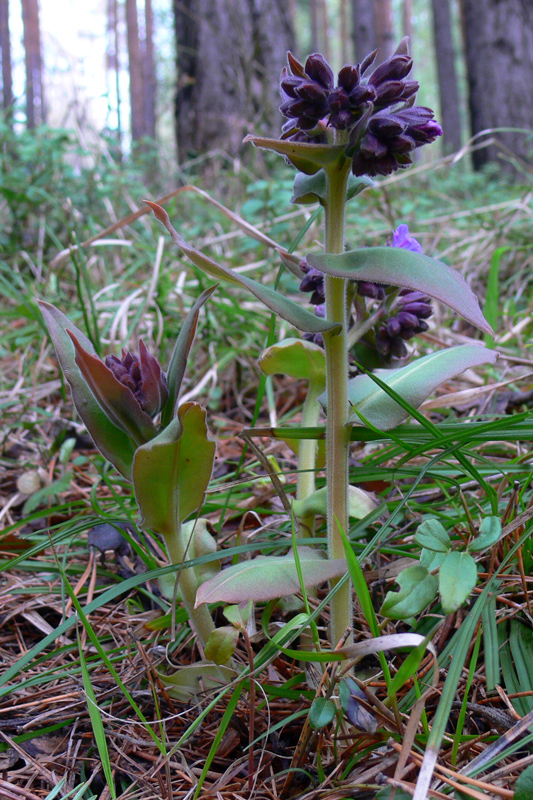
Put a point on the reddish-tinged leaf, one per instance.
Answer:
(112, 441)
(267, 577)
(399, 267)
(116, 400)
(154, 390)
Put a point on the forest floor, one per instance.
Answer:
(88, 641)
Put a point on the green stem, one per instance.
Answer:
(337, 433)
(307, 452)
(200, 618)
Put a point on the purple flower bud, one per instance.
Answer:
(373, 290)
(407, 320)
(421, 310)
(394, 326)
(143, 376)
(401, 238)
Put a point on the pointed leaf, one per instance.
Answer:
(457, 578)
(287, 309)
(414, 383)
(115, 399)
(399, 267)
(296, 358)
(180, 353)
(417, 590)
(221, 644)
(308, 158)
(267, 577)
(111, 440)
(154, 387)
(490, 531)
(171, 472)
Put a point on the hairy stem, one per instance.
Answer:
(337, 434)
(307, 453)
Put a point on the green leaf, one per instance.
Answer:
(400, 267)
(171, 473)
(268, 577)
(457, 578)
(432, 535)
(194, 679)
(321, 713)
(414, 383)
(523, 789)
(59, 486)
(111, 440)
(313, 188)
(296, 358)
(417, 590)
(287, 309)
(180, 353)
(221, 644)
(239, 615)
(308, 158)
(430, 559)
(360, 503)
(490, 531)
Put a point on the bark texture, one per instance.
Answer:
(499, 54)
(35, 108)
(5, 47)
(135, 70)
(229, 58)
(450, 117)
(364, 27)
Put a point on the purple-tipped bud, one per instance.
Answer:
(143, 376)
(373, 290)
(319, 70)
(394, 326)
(407, 320)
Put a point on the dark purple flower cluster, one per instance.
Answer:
(143, 375)
(377, 99)
(313, 281)
(412, 309)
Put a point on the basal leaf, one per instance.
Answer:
(417, 590)
(432, 535)
(296, 358)
(287, 309)
(111, 440)
(267, 577)
(523, 789)
(171, 473)
(400, 267)
(457, 578)
(490, 531)
(322, 712)
(414, 383)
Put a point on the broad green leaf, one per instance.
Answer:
(432, 535)
(307, 158)
(417, 590)
(180, 353)
(287, 309)
(321, 713)
(457, 579)
(221, 644)
(360, 503)
(111, 440)
(414, 383)
(116, 400)
(313, 188)
(430, 559)
(239, 615)
(171, 473)
(267, 577)
(400, 267)
(523, 789)
(490, 531)
(296, 358)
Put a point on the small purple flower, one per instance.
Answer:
(401, 238)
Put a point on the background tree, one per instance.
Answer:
(450, 118)
(499, 54)
(141, 71)
(229, 57)
(5, 48)
(373, 28)
(35, 108)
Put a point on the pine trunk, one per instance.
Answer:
(499, 56)
(35, 109)
(135, 72)
(450, 117)
(5, 47)
(229, 58)
(149, 78)
(364, 28)
(384, 29)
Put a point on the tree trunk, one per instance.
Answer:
(344, 33)
(384, 29)
(113, 64)
(450, 118)
(407, 18)
(364, 28)
(35, 109)
(5, 47)
(149, 78)
(229, 58)
(135, 72)
(499, 56)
